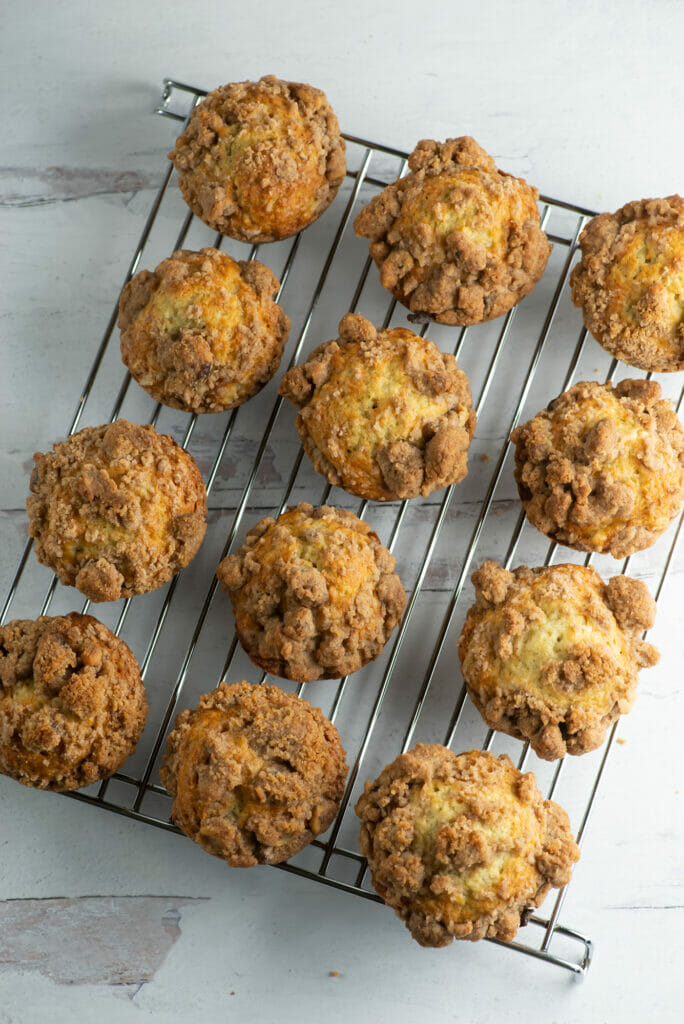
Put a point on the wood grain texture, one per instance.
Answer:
(582, 103)
(28, 186)
(90, 940)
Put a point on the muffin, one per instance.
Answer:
(384, 414)
(456, 240)
(552, 655)
(72, 703)
(116, 510)
(314, 593)
(201, 332)
(260, 161)
(460, 845)
(255, 773)
(602, 467)
(629, 283)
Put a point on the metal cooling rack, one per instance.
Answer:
(414, 691)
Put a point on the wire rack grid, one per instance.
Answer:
(183, 634)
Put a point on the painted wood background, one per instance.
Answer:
(102, 918)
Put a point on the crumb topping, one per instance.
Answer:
(314, 593)
(116, 510)
(259, 161)
(630, 282)
(72, 703)
(456, 240)
(255, 773)
(552, 655)
(459, 845)
(201, 332)
(384, 414)
(602, 467)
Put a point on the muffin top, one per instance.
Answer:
(116, 510)
(201, 332)
(314, 593)
(552, 655)
(255, 773)
(384, 414)
(630, 282)
(260, 161)
(460, 844)
(456, 240)
(602, 467)
(72, 703)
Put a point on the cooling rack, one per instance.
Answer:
(252, 464)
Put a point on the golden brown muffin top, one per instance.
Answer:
(255, 773)
(314, 593)
(456, 240)
(116, 510)
(384, 414)
(460, 844)
(602, 467)
(552, 655)
(259, 161)
(72, 703)
(630, 282)
(201, 332)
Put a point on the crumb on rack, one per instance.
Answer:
(484, 457)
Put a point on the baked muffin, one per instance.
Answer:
(255, 773)
(260, 161)
(116, 510)
(201, 332)
(314, 593)
(602, 467)
(72, 703)
(460, 845)
(552, 655)
(384, 414)
(629, 283)
(456, 240)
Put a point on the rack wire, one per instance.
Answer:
(183, 634)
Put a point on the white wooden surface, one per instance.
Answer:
(586, 104)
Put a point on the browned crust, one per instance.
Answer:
(314, 593)
(456, 240)
(255, 773)
(630, 282)
(411, 440)
(259, 161)
(201, 332)
(459, 845)
(602, 467)
(552, 655)
(116, 510)
(72, 703)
